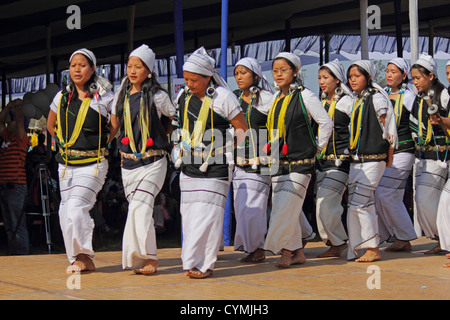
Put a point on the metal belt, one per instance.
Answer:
(333, 157)
(241, 161)
(438, 148)
(87, 153)
(148, 154)
(380, 156)
(296, 162)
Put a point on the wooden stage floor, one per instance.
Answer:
(400, 276)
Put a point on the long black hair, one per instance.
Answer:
(150, 87)
(436, 85)
(256, 83)
(364, 73)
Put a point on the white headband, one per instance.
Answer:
(338, 70)
(146, 55)
(427, 62)
(201, 63)
(87, 53)
(253, 65)
(403, 65)
(370, 68)
(292, 58)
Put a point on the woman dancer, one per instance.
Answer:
(143, 144)
(443, 214)
(205, 104)
(250, 187)
(431, 145)
(332, 176)
(373, 137)
(80, 113)
(394, 220)
(293, 147)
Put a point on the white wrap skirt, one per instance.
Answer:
(202, 211)
(288, 195)
(362, 219)
(443, 214)
(331, 185)
(394, 220)
(430, 179)
(141, 186)
(79, 187)
(251, 193)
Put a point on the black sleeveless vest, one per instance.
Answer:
(89, 135)
(405, 140)
(439, 135)
(341, 137)
(191, 167)
(156, 129)
(371, 136)
(256, 121)
(300, 144)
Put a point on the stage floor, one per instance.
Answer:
(401, 276)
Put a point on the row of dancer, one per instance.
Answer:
(79, 122)
(376, 140)
(373, 145)
(389, 219)
(356, 157)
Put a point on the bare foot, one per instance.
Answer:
(150, 267)
(298, 257)
(256, 256)
(285, 259)
(197, 274)
(399, 245)
(435, 250)
(333, 251)
(372, 254)
(81, 263)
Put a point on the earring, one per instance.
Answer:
(210, 91)
(253, 89)
(338, 91)
(149, 76)
(292, 87)
(69, 88)
(276, 86)
(92, 88)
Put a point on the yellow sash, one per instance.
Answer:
(143, 124)
(429, 126)
(331, 112)
(354, 137)
(281, 125)
(199, 128)
(67, 143)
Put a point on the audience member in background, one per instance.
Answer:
(13, 180)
